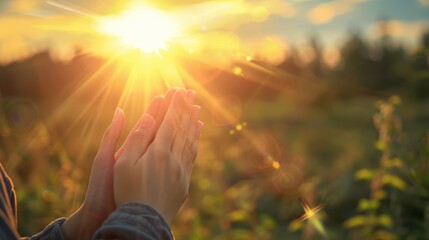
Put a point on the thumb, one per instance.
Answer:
(112, 134)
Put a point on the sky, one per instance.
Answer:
(290, 21)
(314, 18)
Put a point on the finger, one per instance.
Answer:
(162, 110)
(139, 140)
(190, 136)
(181, 134)
(197, 135)
(191, 153)
(171, 121)
(164, 106)
(113, 133)
(152, 110)
(194, 149)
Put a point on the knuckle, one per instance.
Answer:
(189, 144)
(194, 151)
(177, 171)
(162, 152)
(137, 136)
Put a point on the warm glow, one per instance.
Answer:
(144, 28)
(276, 165)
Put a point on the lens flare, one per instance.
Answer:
(144, 28)
(312, 215)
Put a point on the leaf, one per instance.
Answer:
(379, 195)
(385, 221)
(381, 146)
(395, 100)
(355, 221)
(368, 205)
(394, 181)
(365, 174)
(238, 215)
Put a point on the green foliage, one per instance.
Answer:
(394, 181)
(367, 205)
(369, 221)
(364, 174)
(316, 131)
(392, 176)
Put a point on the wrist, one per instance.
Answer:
(81, 224)
(70, 227)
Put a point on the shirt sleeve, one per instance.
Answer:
(134, 220)
(8, 214)
(131, 220)
(7, 207)
(51, 232)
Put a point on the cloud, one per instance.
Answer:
(326, 12)
(232, 14)
(408, 32)
(398, 28)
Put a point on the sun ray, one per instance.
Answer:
(70, 7)
(127, 90)
(104, 92)
(66, 104)
(57, 116)
(206, 97)
(91, 125)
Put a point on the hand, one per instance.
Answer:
(99, 199)
(158, 174)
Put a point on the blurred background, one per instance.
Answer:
(316, 112)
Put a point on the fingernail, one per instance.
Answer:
(191, 95)
(182, 95)
(200, 126)
(146, 121)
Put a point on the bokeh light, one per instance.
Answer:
(21, 115)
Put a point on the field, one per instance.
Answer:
(306, 156)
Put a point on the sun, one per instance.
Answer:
(144, 28)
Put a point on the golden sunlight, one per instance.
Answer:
(144, 28)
